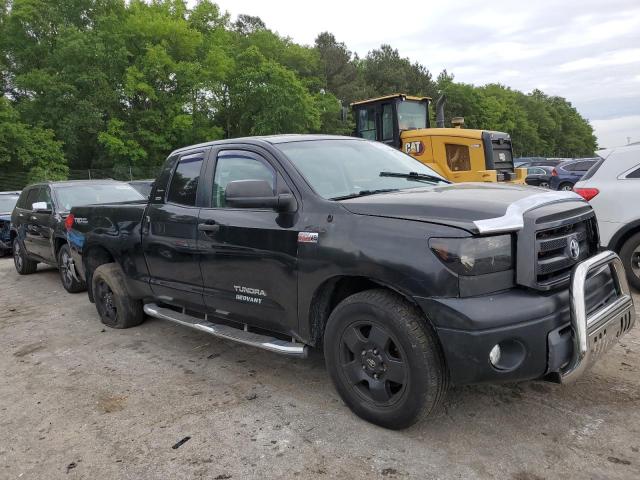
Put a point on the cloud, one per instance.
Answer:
(583, 50)
(618, 131)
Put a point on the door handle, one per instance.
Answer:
(208, 228)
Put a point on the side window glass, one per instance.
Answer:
(44, 196)
(32, 198)
(581, 166)
(22, 201)
(387, 122)
(367, 123)
(458, 157)
(184, 183)
(634, 174)
(232, 166)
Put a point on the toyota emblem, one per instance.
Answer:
(574, 249)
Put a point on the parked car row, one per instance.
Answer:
(7, 203)
(38, 233)
(290, 242)
(558, 175)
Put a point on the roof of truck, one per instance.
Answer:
(388, 97)
(272, 139)
(69, 183)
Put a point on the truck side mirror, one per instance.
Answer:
(40, 207)
(257, 194)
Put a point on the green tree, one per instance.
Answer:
(386, 72)
(29, 149)
(267, 98)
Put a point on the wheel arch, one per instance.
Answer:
(335, 289)
(57, 245)
(92, 258)
(622, 235)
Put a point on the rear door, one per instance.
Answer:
(26, 227)
(42, 225)
(19, 216)
(170, 234)
(249, 257)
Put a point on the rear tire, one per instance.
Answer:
(630, 256)
(384, 360)
(24, 266)
(544, 184)
(566, 187)
(117, 309)
(68, 273)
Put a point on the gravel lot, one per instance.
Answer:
(81, 401)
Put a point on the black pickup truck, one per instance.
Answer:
(408, 283)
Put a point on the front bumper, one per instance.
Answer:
(558, 334)
(595, 333)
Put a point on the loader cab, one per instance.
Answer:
(458, 154)
(385, 118)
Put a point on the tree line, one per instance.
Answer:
(115, 84)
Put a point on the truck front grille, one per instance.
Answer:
(554, 257)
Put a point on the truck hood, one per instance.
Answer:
(476, 207)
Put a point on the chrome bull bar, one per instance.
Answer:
(595, 333)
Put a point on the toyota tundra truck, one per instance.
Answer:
(407, 282)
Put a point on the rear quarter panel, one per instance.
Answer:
(616, 204)
(116, 229)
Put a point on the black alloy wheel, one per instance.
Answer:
(372, 361)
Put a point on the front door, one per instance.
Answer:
(170, 235)
(248, 256)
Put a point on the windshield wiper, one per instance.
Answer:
(363, 193)
(414, 176)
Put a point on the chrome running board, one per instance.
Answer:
(292, 349)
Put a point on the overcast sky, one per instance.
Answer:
(587, 51)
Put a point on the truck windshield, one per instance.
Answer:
(90, 194)
(412, 115)
(7, 202)
(343, 168)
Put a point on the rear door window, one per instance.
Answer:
(22, 201)
(184, 182)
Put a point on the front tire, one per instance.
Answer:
(117, 309)
(630, 256)
(24, 266)
(68, 274)
(384, 360)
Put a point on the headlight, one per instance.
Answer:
(474, 256)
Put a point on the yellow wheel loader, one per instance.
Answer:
(458, 154)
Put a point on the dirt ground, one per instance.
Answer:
(81, 401)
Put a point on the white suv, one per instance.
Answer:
(612, 187)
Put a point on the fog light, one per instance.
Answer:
(494, 355)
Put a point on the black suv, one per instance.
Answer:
(38, 233)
